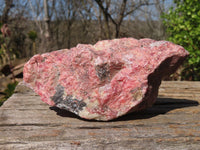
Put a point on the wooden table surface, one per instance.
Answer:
(173, 123)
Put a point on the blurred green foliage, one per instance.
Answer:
(183, 26)
(32, 35)
(8, 92)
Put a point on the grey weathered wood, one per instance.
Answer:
(172, 123)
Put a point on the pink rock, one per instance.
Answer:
(105, 80)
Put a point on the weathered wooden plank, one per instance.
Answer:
(172, 123)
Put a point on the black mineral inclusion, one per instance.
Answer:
(67, 102)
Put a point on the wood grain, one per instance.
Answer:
(172, 123)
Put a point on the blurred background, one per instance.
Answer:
(29, 27)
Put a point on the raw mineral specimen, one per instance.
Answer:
(105, 80)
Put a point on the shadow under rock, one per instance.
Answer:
(64, 113)
(161, 106)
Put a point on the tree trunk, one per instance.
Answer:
(100, 25)
(47, 20)
(69, 34)
(117, 30)
(8, 6)
(108, 36)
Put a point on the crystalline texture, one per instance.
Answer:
(105, 80)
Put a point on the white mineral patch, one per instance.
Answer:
(127, 59)
(85, 114)
(158, 43)
(98, 61)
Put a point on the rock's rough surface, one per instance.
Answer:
(105, 80)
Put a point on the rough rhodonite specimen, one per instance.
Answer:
(105, 80)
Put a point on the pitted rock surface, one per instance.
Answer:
(105, 80)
